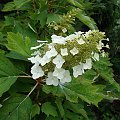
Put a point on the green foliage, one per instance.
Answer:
(16, 108)
(5, 83)
(106, 72)
(49, 109)
(35, 110)
(87, 20)
(15, 5)
(84, 90)
(25, 21)
(76, 108)
(60, 106)
(17, 44)
(8, 74)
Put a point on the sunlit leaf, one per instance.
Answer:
(19, 44)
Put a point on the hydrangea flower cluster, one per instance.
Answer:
(66, 57)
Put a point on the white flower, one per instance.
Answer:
(42, 41)
(36, 47)
(35, 59)
(107, 46)
(36, 53)
(59, 73)
(74, 51)
(36, 71)
(80, 41)
(100, 45)
(64, 30)
(52, 80)
(58, 39)
(71, 37)
(103, 33)
(51, 45)
(88, 64)
(78, 70)
(96, 57)
(107, 39)
(64, 52)
(51, 53)
(44, 60)
(79, 33)
(88, 33)
(103, 54)
(58, 61)
(66, 77)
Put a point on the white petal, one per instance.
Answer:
(107, 39)
(36, 47)
(64, 52)
(88, 64)
(88, 33)
(74, 51)
(34, 68)
(32, 59)
(35, 76)
(58, 39)
(107, 46)
(44, 60)
(42, 41)
(35, 59)
(79, 33)
(100, 45)
(51, 53)
(37, 72)
(66, 78)
(52, 80)
(103, 54)
(55, 82)
(58, 61)
(59, 73)
(70, 37)
(96, 57)
(51, 45)
(78, 70)
(80, 41)
(36, 53)
(64, 30)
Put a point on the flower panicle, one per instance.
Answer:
(67, 57)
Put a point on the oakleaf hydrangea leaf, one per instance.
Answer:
(16, 109)
(49, 109)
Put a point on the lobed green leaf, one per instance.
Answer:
(16, 109)
(18, 44)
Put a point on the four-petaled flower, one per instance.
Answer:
(51, 53)
(88, 64)
(58, 39)
(64, 51)
(35, 59)
(36, 71)
(52, 80)
(74, 51)
(58, 61)
(44, 60)
(78, 70)
(66, 77)
(59, 73)
(96, 57)
(80, 41)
